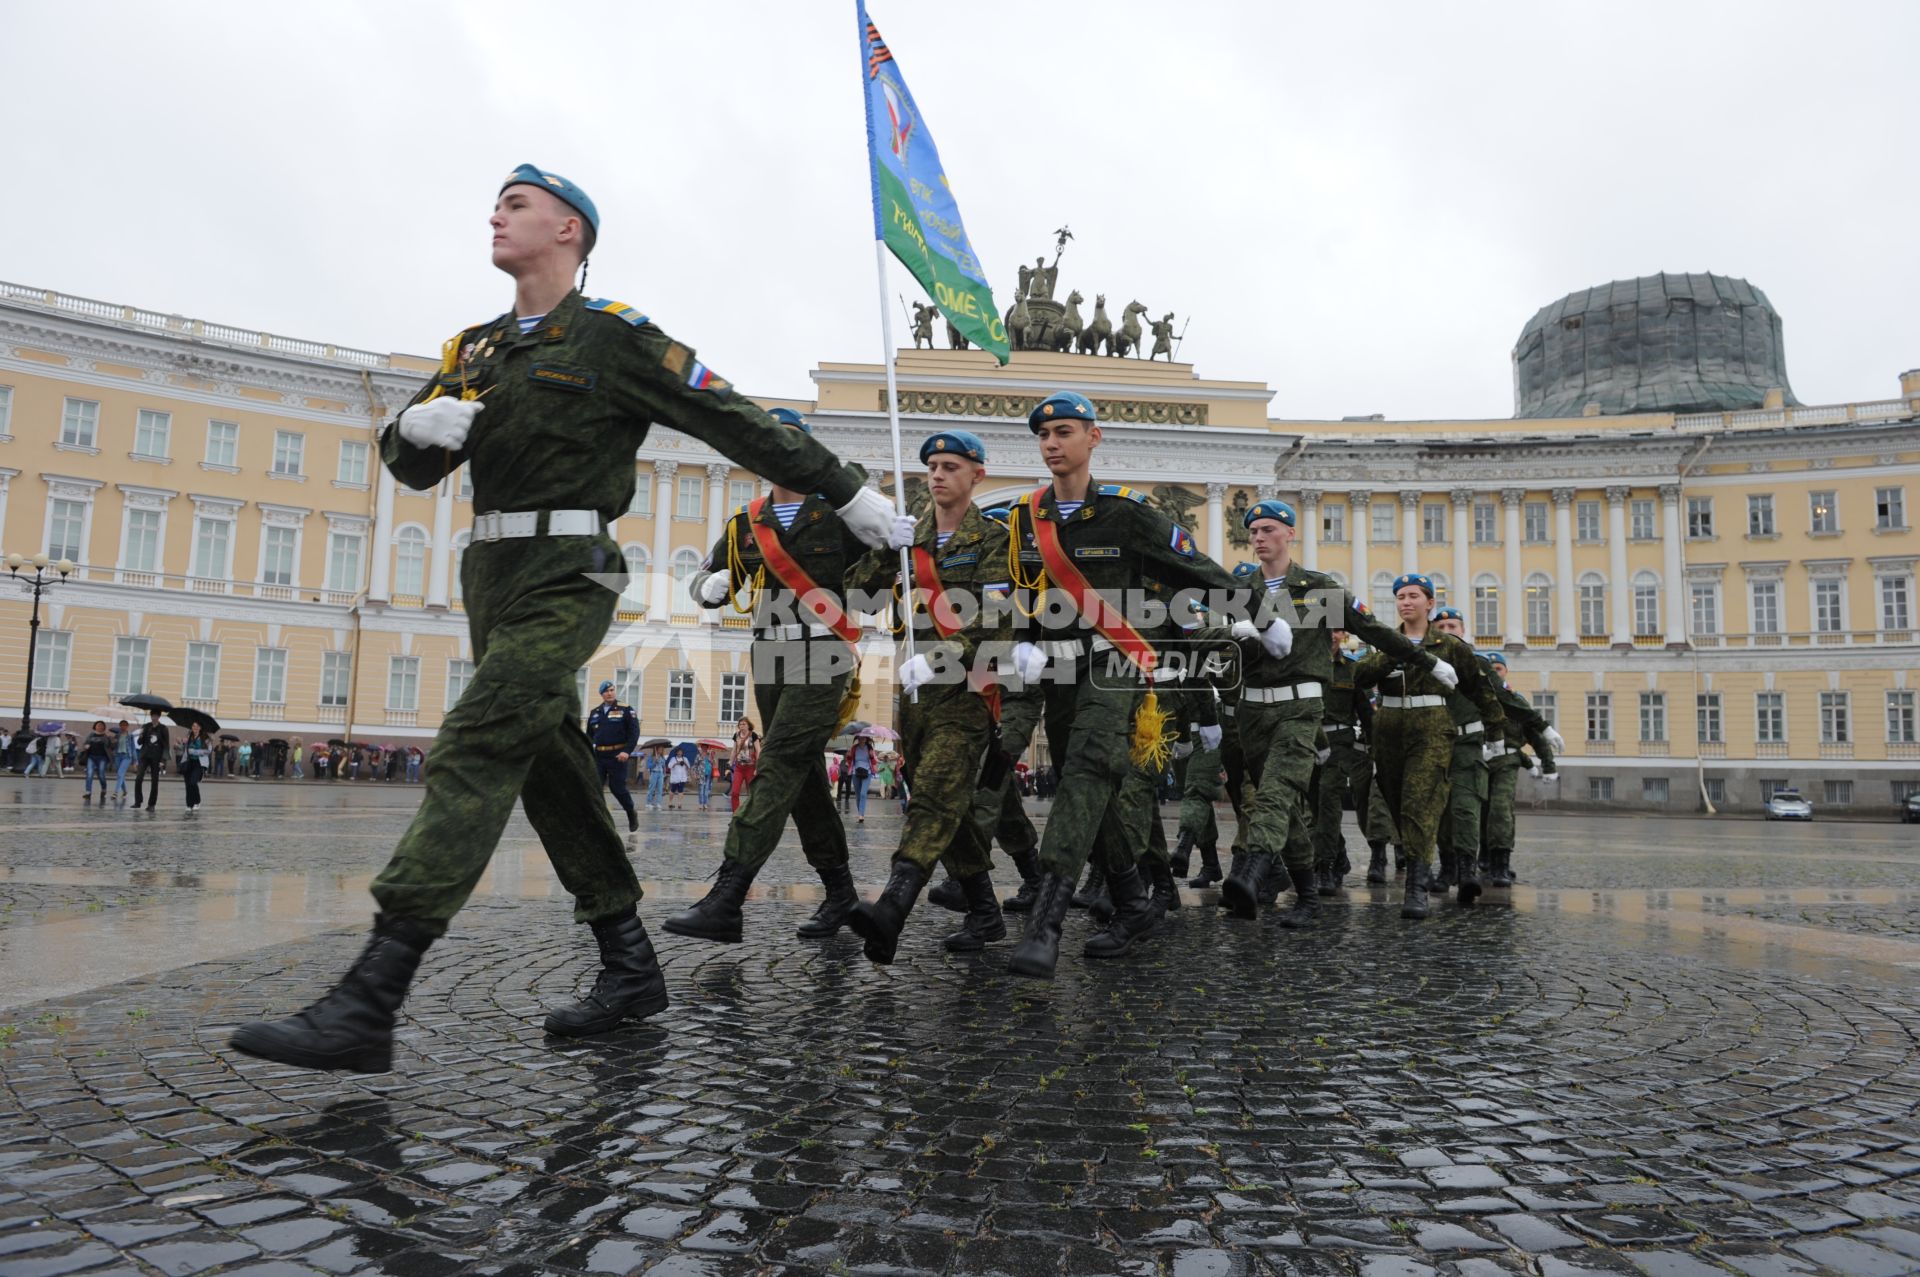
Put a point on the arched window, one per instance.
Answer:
(639, 565)
(461, 540)
(1539, 591)
(1593, 604)
(1339, 579)
(685, 561)
(410, 561)
(1442, 589)
(1486, 607)
(1382, 591)
(1646, 604)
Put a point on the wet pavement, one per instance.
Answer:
(1681, 1047)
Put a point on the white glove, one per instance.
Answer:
(1278, 640)
(1323, 755)
(1029, 662)
(915, 674)
(1557, 741)
(1444, 672)
(1550, 778)
(1533, 768)
(1182, 749)
(1486, 754)
(1244, 630)
(870, 517)
(439, 423)
(1209, 737)
(713, 588)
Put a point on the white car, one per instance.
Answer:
(1787, 804)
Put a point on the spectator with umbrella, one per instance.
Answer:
(96, 753)
(152, 747)
(196, 753)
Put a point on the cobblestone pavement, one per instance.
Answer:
(1667, 1076)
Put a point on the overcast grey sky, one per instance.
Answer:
(1359, 205)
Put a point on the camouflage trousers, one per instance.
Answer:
(1503, 782)
(799, 704)
(1089, 735)
(535, 617)
(1197, 818)
(1348, 768)
(1280, 744)
(1131, 832)
(1466, 802)
(1379, 820)
(943, 739)
(1412, 755)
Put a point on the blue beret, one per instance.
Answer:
(607, 686)
(1062, 405)
(958, 442)
(1420, 579)
(558, 187)
(1268, 510)
(1496, 658)
(1244, 570)
(998, 513)
(788, 417)
(1449, 614)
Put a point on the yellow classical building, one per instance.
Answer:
(1710, 604)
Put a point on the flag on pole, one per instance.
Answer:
(914, 211)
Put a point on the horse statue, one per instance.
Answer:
(923, 324)
(1017, 321)
(1100, 331)
(1128, 338)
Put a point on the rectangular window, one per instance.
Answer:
(1642, 520)
(1824, 512)
(223, 444)
(1838, 793)
(1835, 728)
(211, 538)
(464, 489)
(1539, 610)
(129, 665)
(52, 659)
(1653, 718)
(1646, 610)
(203, 671)
(1770, 717)
(641, 507)
(1900, 718)
(1536, 521)
(1704, 600)
(1699, 518)
(1655, 789)
(1486, 610)
(276, 556)
(289, 452)
(1706, 713)
(1769, 786)
(687, 505)
(1547, 706)
(459, 676)
(143, 541)
(580, 688)
(1902, 790)
(1433, 523)
(79, 423)
(1333, 523)
(336, 676)
(1766, 607)
(1760, 514)
(1889, 508)
(343, 561)
(1829, 611)
(626, 688)
(1600, 789)
(740, 492)
(150, 433)
(680, 696)
(1486, 527)
(733, 697)
(353, 462)
(1599, 716)
(1896, 608)
(6, 409)
(403, 682)
(1586, 520)
(1716, 791)
(1593, 609)
(270, 675)
(1383, 525)
(65, 524)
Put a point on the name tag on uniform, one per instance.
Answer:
(1031, 556)
(560, 377)
(1096, 552)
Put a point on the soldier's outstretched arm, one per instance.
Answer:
(1373, 668)
(1382, 637)
(1476, 683)
(1172, 557)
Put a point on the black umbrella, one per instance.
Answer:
(281, 743)
(228, 736)
(186, 716)
(336, 743)
(658, 740)
(147, 700)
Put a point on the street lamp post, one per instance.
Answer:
(39, 583)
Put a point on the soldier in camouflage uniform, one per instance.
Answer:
(802, 675)
(1524, 727)
(1414, 733)
(1280, 707)
(1467, 781)
(1199, 826)
(546, 404)
(1347, 719)
(946, 729)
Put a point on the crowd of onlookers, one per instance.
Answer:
(111, 749)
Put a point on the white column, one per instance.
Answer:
(1362, 514)
(660, 605)
(442, 548)
(1409, 531)
(380, 551)
(1563, 590)
(1513, 597)
(1670, 547)
(717, 513)
(1462, 565)
(1216, 522)
(1307, 528)
(1621, 593)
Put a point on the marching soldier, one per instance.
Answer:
(614, 731)
(1199, 824)
(790, 552)
(1348, 722)
(1467, 781)
(546, 404)
(1524, 726)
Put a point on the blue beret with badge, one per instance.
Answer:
(1269, 509)
(788, 417)
(958, 442)
(1062, 405)
(998, 513)
(1246, 570)
(1449, 614)
(1497, 658)
(1420, 579)
(607, 686)
(558, 187)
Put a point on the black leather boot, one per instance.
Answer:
(1209, 868)
(1038, 952)
(1166, 887)
(1133, 915)
(1437, 883)
(1236, 867)
(633, 819)
(880, 923)
(629, 984)
(1467, 877)
(1326, 880)
(1306, 901)
(948, 895)
(1499, 874)
(717, 916)
(1028, 863)
(1095, 885)
(1413, 902)
(1182, 856)
(840, 902)
(1376, 864)
(351, 1028)
(1245, 887)
(984, 923)
(1399, 860)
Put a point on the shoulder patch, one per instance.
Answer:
(619, 310)
(1121, 490)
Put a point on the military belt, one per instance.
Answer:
(607, 749)
(1495, 751)
(1070, 649)
(795, 631)
(514, 524)
(1273, 695)
(1413, 702)
(1226, 711)
(1475, 728)
(1341, 736)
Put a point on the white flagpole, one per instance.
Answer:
(893, 421)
